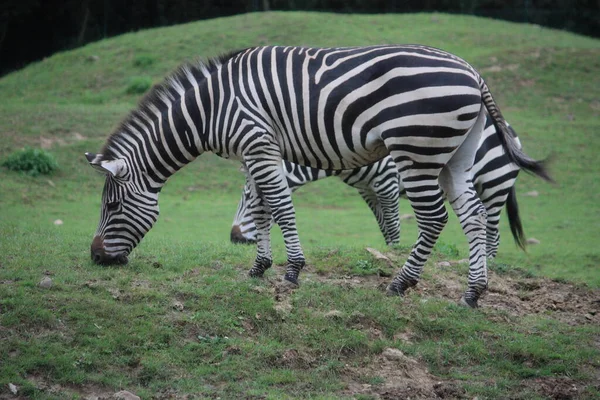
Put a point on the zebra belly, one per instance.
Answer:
(373, 151)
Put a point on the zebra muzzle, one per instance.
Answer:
(238, 237)
(99, 255)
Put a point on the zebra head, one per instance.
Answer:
(127, 213)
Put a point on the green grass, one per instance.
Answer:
(102, 329)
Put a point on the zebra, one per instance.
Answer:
(378, 184)
(328, 108)
(493, 175)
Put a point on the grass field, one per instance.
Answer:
(182, 318)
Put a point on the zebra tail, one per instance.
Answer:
(514, 220)
(515, 154)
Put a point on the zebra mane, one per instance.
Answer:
(170, 89)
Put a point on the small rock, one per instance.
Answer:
(258, 289)
(443, 264)
(93, 58)
(589, 317)
(396, 355)
(125, 395)
(463, 261)
(532, 241)
(283, 310)
(379, 256)
(533, 193)
(178, 306)
(404, 217)
(58, 222)
(45, 283)
(334, 314)
(404, 336)
(116, 293)
(357, 316)
(51, 183)
(13, 389)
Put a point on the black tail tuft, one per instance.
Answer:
(506, 136)
(514, 220)
(522, 160)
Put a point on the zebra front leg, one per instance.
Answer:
(266, 171)
(428, 204)
(388, 203)
(493, 238)
(261, 216)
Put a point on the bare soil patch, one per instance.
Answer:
(514, 296)
(404, 378)
(555, 388)
(49, 141)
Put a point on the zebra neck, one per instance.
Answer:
(160, 141)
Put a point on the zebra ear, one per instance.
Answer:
(116, 168)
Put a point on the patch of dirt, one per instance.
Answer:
(281, 290)
(403, 377)
(87, 392)
(554, 388)
(48, 142)
(397, 378)
(517, 296)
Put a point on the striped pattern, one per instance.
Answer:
(493, 175)
(377, 183)
(339, 108)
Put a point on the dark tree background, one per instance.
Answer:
(33, 29)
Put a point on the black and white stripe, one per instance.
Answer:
(493, 175)
(377, 183)
(339, 108)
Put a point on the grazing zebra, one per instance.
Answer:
(328, 108)
(377, 183)
(494, 176)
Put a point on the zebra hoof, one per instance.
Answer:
(393, 290)
(256, 273)
(292, 279)
(471, 303)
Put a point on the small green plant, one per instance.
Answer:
(143, 60)
(366, 267)
(31, 161)
(139, 85)
(447, 249)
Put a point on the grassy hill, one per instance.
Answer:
(100, 329)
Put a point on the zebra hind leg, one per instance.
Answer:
(455, 179)
(427, 201)
(271, 184)
(473, 217)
